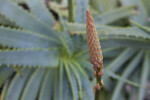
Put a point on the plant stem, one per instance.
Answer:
(97, 95)
(71, 10)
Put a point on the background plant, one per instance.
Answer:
(42, 53)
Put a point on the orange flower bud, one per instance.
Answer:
(95, 52)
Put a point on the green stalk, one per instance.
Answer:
(140, 26)
(71, 10)
(97, 95)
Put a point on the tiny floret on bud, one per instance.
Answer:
(100, 73)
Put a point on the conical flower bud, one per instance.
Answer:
(95, 52)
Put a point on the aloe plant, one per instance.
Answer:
(40, 62)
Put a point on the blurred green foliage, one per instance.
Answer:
(44, 54)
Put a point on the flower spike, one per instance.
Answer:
(95, 52)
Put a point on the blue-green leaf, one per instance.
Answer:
(5, 21)
(65, 37)
(81, 6)
(17, 85)
(142, 16)
(5, 73)
(120, 78)
(33, 85)
(38, 7)
(56, 85)
(87, 87)
(46, 91)
(108, 83)
(144, 28)
(126, 32)
(78, 79)
(118, 41)
(144, 76)
(115, 14)
(112, 52)
(18, 1)
(121, 59)
(81, 28)
(133, 64)
(30, 58)
(147, 6)
(103, 5)
(23, 18)
(67, 95)
(85, 82)
(25, 39)
(72, 81)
